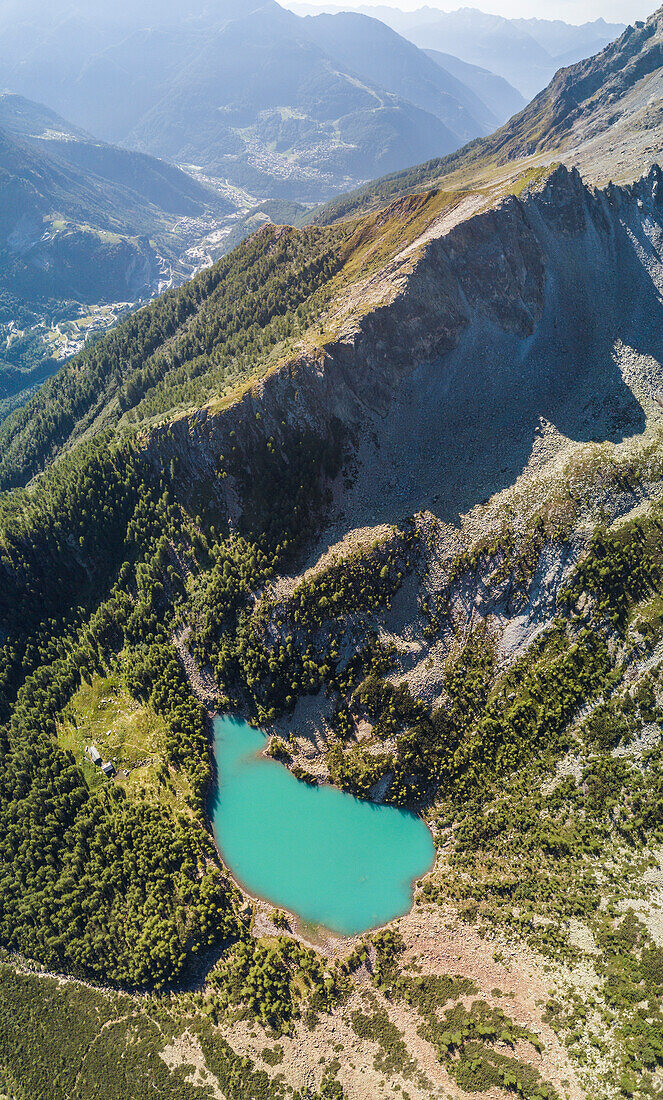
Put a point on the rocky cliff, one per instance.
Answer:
(468, 338)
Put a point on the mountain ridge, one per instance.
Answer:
(525, 52)
(352, 47)
(391, 489)
(563, 122)
(484, 83)
(157, 182)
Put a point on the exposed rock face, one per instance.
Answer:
(584, 91)
(601, 114)
(484, 329)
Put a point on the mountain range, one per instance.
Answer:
(600, 115)
(282, 106)
(389, 486)
(526, 52)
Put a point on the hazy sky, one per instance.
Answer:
(572, 11)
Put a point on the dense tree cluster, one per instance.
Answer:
(285, 487)
(478, 733)
(192, 343)
(363, 581)
(273, 982)
(619, 569)
(239, 568)
(97, 882)
(154, 673)
(265, 654)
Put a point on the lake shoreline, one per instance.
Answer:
(377, 877)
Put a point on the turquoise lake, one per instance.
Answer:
(329, 858)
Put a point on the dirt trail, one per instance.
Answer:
(201, 680)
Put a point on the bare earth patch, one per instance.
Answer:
(186, 1051)
(437, 942)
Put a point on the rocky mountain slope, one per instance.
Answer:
(408, 521)
(390, 488)
(473, 289)
(600, 112)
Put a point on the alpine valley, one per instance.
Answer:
(387, 486)
(87, 231)
(256, 113)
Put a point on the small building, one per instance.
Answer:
(108, 769)
(94, 754)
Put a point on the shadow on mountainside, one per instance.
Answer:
(465, 427)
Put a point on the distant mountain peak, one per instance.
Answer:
(602, 115)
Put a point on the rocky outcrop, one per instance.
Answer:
(518, 300)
